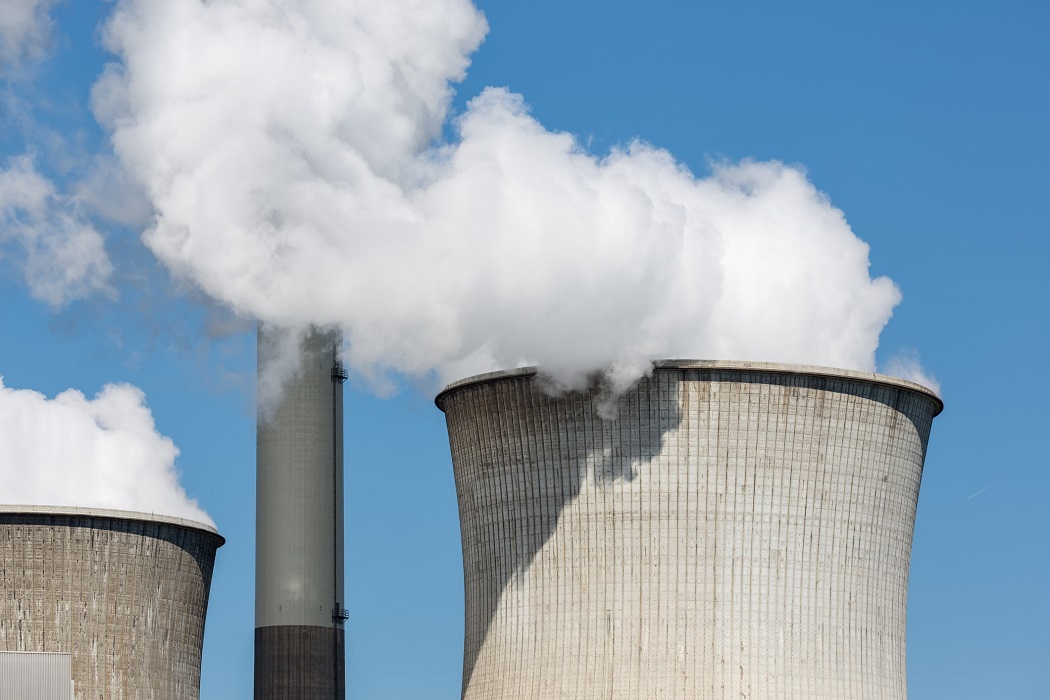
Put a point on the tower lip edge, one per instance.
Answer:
(111, 514)
(721, 365)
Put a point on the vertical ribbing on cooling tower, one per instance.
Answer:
(735, 533)
(299, 606)
(124, 594)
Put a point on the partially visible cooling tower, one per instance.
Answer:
(742, 531)
(124, 594)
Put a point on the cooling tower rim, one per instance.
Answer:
(723, 365)
(111, 514)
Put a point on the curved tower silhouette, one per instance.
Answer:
(123, 594)
(732, 531)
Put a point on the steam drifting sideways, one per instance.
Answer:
(63, 257)
(292, 154)
(103, 452)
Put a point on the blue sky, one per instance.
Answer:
(926, 123)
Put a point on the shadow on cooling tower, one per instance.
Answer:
(511, 434)
(592, 543)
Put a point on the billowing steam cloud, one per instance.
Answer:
(103, 452)
(61, 254)
(289, 151)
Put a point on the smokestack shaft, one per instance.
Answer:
(299, 606)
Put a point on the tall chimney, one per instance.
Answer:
(299, 605)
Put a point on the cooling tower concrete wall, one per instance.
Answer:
(124, 594)
(740, 531)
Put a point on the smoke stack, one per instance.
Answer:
(740, 530)
(299, 608)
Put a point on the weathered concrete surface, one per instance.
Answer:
(740, 531)
(299, 663)
(125, 594)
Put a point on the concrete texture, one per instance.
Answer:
(124, 594)
(299, 662)
(299, 528)
(740, 531)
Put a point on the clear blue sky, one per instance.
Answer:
(925, 122)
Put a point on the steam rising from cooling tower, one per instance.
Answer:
(742, 530)
(103, 452)
(294, 163)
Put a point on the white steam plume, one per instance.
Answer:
(287, 149)
(101, 453)
(905, 364)
(61, 254)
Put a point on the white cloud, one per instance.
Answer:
(287, 149)
(61, 254)
(25, 29)
(103, 452)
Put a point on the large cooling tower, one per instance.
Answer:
(739, 531)
(299, 606)
(123, 594)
